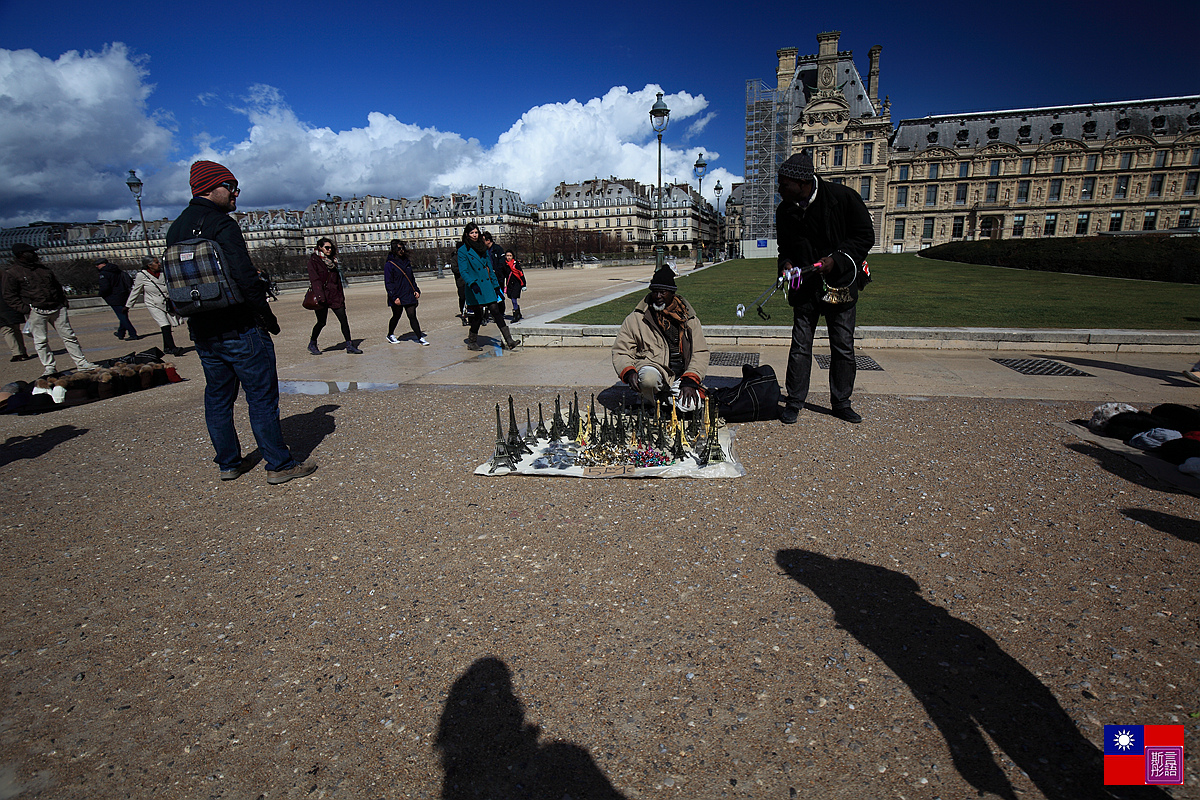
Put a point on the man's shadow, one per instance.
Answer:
(17, 448)
(488, 751)
(304, 432)
(967, 683)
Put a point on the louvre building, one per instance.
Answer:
(1125, 168)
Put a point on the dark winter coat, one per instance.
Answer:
(9, 316)
(27, 285)
(203, 219)
(836, 223)
(115, 284)
(399, 281)
(326, 283)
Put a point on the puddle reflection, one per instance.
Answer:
(333, 387)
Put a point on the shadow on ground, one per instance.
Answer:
(1168, 377)
(304, 432)
(971, 689)
(18, 448)
(1180, 527)
(488, 751)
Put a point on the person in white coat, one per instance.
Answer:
(150, 285)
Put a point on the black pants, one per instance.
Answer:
(839, 320)
(323, 314)
(475, 313)
(412, 318)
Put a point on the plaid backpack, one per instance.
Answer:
(196, 277)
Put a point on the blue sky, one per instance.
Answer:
(302, 99)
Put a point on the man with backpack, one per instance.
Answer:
(115, 284)
(234, 340)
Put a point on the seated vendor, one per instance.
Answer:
(660, 350)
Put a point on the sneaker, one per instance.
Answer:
(1192, 376)
(302, 470)
(312, 348)
(238, 471)
(87, 367)
(393, 339)
(788, 415)
(350, 348)
(423, 341)
(848, 414)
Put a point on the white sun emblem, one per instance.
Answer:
(1123, 740)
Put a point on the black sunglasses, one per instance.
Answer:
(232, 186)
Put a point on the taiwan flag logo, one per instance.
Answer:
(1140, 755)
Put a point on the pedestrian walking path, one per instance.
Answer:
(1131, 366)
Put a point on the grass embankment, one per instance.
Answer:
(914, 292)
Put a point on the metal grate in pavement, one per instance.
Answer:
(732, 359)
(1041, 366)
(865, 363)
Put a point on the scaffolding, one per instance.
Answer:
(766, 149)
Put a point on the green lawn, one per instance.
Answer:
(915, 292)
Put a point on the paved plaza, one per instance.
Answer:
(949, 600)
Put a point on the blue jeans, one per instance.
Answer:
(124, 326)
(247, 361)
(839, 320)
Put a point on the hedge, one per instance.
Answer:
(1175, 259)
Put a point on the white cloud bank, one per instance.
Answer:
(75, 125)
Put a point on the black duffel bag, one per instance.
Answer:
(755, 398)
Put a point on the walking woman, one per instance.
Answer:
(325, 277)
(402, 292)
(516, 282)
(481, 287)
(152, 286)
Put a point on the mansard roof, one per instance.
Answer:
(804, 86)
(1163, 117)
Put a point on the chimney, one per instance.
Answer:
(873, 75)
(786, 69)
(827, 44)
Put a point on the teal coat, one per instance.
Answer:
(479, 281)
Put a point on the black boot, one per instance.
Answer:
(508, 339)
(473, 342)
(169, 342)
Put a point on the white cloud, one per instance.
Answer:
(83, 120)
(73, 128)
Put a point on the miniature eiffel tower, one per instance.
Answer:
(531, 436)
(573, 419)
(558, 428)
(677, 451)
(541, 428)
(515, 446)
(503, 458)
(715, 454)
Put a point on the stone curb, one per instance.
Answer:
(535, 333)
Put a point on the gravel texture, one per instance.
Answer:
(950, 599)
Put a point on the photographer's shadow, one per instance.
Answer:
(966, 682)
(487, 749)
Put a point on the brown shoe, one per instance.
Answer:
(284, 475)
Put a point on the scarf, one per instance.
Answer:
(674, 314)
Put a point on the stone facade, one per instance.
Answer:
(1085, 170)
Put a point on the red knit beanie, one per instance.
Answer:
(207, 175)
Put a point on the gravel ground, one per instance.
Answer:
(950, 599)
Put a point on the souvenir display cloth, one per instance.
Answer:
(630, 443)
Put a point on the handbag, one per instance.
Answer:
(311, 302)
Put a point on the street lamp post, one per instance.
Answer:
(720, 230)
(659, 117)
(135, 186)
(699, 169)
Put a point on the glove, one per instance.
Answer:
(631, 378)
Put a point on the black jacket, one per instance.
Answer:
(114, 285)
(203, 219)
(837, 223)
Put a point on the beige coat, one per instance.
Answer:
(154, 291)
(640, 342)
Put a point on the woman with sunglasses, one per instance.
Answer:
(325, 279)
